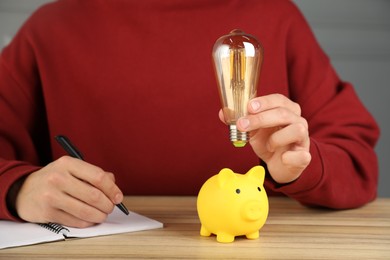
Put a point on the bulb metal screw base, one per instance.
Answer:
(238, 138)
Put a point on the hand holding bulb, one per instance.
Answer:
(279, 135)
(272, 124)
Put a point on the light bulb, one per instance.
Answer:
(237, 58)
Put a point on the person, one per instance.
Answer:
(131, 83)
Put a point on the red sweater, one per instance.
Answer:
(132, 84)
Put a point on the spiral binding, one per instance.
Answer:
(56, 228)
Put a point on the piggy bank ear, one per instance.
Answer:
(225, 176)
(257, 172)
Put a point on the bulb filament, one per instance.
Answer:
(237, 81)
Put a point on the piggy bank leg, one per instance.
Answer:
(253, 235)
(225, 238)
(204, 231)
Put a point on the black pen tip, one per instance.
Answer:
(123, 208)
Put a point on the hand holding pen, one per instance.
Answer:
(67, 191)
(74, 152)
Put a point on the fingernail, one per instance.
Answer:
(255, 105)
(244, 123)
(118, 198)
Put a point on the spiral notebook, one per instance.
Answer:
(13, 234)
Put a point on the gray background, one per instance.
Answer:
(354, 33)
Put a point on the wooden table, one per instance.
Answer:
(292, 231)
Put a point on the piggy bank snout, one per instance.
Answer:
(252, 210)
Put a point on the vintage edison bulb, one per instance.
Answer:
(237, 58)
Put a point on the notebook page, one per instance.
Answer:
(20, 234)
(14, 234)
(116, 223)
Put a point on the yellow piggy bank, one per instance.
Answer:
(231, 205)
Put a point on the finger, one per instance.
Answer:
(93, 175)
(64, 218)
(272, 101)
(66, 183)
(53, 204)
(111, 176)
(297, 134)
(91, 195)
(276, 117)
(221, 116)
(80, 210)
(296, 161)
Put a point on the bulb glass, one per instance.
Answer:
(237, 61)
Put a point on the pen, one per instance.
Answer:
(74, 152)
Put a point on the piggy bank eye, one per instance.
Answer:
(259, 189)
(238, 191)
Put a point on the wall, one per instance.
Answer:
(354, 33)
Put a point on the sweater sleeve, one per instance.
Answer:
(22, 124)
(343, 172)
